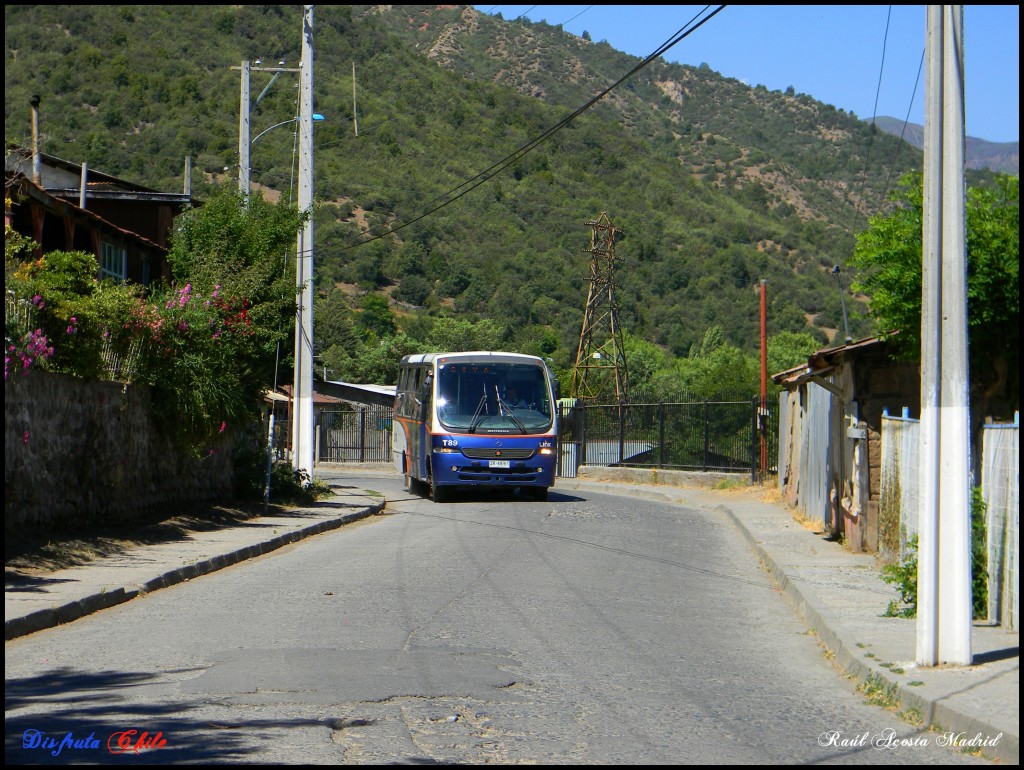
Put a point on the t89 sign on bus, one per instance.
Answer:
(475, 419)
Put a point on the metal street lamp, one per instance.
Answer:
(247, 69)
(316, 116)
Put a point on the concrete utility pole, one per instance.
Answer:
(243, 133)
(944, 613)
(244, 110)
(355, 115)
(37, 164)
(302, 415)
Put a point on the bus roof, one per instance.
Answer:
(474, 355)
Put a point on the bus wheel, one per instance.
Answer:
(540, 493)
(437, 493)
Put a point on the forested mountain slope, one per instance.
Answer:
(715, 185)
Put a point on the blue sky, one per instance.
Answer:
(833, 53)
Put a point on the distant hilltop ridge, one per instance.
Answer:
(997, 156)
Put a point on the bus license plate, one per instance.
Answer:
(498, 464)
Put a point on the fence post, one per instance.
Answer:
(582, 455)
(362, 434)
(754, 442)
(622, 429)
(707, 423)
(661, 434)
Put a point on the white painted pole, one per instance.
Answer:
(944, 582)
(931, 237)
(955, 611)
(303, 418)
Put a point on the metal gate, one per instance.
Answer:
(355, 433)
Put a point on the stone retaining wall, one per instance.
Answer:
(84, 452)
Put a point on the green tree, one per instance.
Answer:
(889, 254)
(718, 371)
(205, 345)
(378, 363)
(789, 349)
(413, 289)
(367, 269)
(332, 322)
(376, 317)
(244, 253)
(643, 360)
(452, 335)
(409, 259)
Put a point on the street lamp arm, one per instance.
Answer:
(261, 133)
(316, 116)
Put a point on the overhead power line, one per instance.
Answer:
(576, 16)
(903, 131)
(478, 179)
(874, 116)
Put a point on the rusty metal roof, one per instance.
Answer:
(823, 361)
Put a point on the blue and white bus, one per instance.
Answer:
(483, 419)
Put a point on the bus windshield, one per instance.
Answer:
(490, 397)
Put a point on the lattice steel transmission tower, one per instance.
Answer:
(600, 369)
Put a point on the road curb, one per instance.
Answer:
(935, 715)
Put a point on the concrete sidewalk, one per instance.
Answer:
(839, 594)
(39, 602)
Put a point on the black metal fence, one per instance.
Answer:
(721, 436)
(359, 433)
(709, 436)
(349, 433)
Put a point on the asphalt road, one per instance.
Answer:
(591, 628)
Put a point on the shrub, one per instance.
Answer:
(904, 574)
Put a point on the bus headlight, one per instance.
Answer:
(546, 451)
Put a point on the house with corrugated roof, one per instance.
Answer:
(830, 428)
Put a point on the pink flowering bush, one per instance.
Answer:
(206, 345)
(198, 359)
(24, 346)
(21, 354)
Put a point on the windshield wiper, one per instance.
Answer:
(479, 408)
(506, 410)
